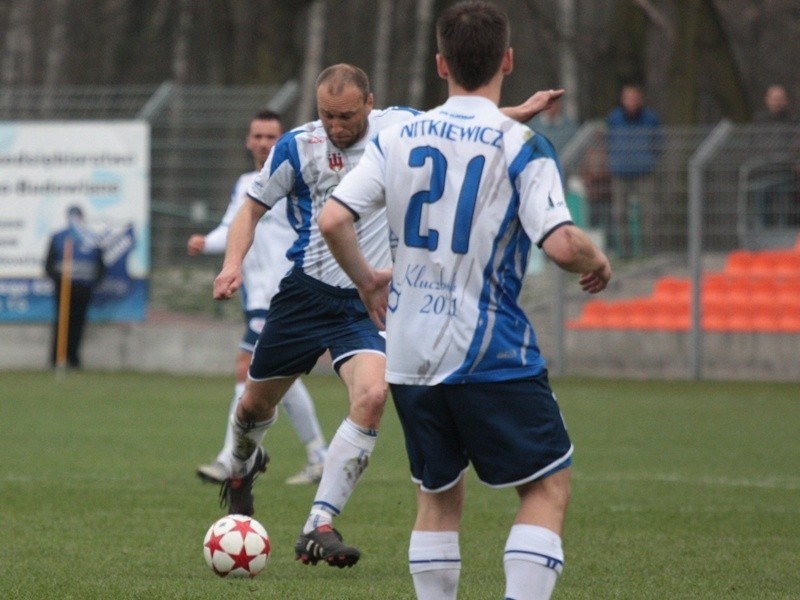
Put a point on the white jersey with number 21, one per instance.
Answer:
(467, 192)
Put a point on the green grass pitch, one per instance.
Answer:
(680, 490)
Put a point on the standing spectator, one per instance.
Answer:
(554, 125)
(634, 146)
(775, 181)
(776, 106)
(466, 374)
(262, 269)
(75, 264)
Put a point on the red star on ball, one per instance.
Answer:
(213, 544)
(242, 559)
(243, 527)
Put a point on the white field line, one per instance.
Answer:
(777, 483)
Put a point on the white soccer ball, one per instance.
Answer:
(236, 546)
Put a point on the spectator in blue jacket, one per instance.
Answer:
(634, 144)
(77, 247)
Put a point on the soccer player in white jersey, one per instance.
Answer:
(467, 192)
(262, 270)
(317, 307)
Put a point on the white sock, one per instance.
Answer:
(435, 564)
(299, 407)
(348, 456)
(533, 560)
(224, 455)
(246, 438)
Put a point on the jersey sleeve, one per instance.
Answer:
(216, 239)
(362, 189)
(277, 178)
(542, 204)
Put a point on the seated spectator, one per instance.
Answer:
(775, 184)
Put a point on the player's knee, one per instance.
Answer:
(369, 399)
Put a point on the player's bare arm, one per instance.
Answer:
(240, 238)
(572, 250)
(336, 225)
(540, 101)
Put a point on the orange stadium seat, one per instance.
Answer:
(671, 315)
(764, 316)
(787, 263)
(739, 262)
(676, 288)
(716, 314)
(593, 316)
(640, 313)
(717, 285)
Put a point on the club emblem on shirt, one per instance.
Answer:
(335, 161)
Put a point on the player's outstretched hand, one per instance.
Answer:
(541, 100)
(375, 296)
(227, 282)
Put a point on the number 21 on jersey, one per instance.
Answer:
(465, 207)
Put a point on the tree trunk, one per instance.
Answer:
(418, 76)
(313, 61)
(383, 46)
(56, 49)
(180, 52)
(17, 65)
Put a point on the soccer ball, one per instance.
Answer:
(236, 545)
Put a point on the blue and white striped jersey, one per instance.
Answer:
(466, 192)
(265, 263)
(305, 167)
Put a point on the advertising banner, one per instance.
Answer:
(101, 168)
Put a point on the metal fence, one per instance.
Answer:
(750, 189)
(712, 189)
(197, 143)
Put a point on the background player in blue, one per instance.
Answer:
(262, 270)
(466, 192)
(317, 307)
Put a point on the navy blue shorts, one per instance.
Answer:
(253, 324)
(306, 318)
(511, 431)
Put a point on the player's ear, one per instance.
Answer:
(370, 101)
(441, 66)
(508, 61)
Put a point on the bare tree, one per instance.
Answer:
(383, 46)
(180, 52)
(313, 59)
(56, 44)
(17, 65)
(419, 62)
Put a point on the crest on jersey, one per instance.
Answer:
(335, 161)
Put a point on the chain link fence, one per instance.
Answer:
(711, 190)
(197, 154)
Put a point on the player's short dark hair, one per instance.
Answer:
(338, 77)
(266, 115)
(472, 37)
